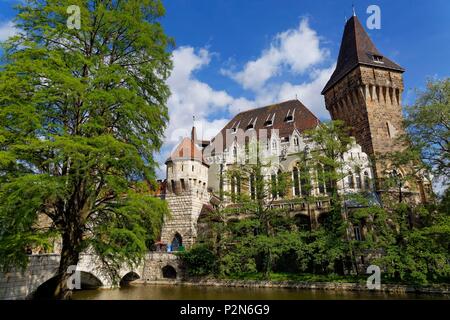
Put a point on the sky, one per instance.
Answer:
(235, 55)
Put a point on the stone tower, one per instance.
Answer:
(365, 92)
(186, 194)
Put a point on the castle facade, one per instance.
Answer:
(364, 92)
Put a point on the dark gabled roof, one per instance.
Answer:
(357, 48)
(302, 119)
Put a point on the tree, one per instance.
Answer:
(265, 183)
(330, 141)
(428, 125)
(82, 112)
(199, 260)
(410, 253)
(330, 242)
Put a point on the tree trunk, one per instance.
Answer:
(268, 264)
(70, 255)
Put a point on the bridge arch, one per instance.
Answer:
(129, 277)
(169, 272)
(45, 289)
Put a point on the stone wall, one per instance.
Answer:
(19, 284)
(185, 209)
(369, 101)
(154, 264)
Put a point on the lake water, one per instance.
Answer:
(183, 292)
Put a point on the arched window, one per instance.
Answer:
(247, 147)
(320, 179)
(233, 189)
(328, 178)
(296, 181)
(366, 180)
(177, 242)
(351, 183)
(273, 182)
(252, 186)
(358, 180)
(281, 184)
(235, 153)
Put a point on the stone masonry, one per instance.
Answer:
(19, 284)
(369, 101)
(186, 194)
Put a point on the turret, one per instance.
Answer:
(187, 180)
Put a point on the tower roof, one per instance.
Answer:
(356, 49)
(187, 150)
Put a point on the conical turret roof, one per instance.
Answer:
(357, 49)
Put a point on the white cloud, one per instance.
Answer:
(7, 29)
(309, 92)
(191, 96)
(295, 49)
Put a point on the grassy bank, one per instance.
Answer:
(332, 278)
(306, 277)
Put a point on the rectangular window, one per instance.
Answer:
(296, 181)
(357, 232)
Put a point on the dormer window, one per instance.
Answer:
(290, 116)
(377, 58)
(269, 120)
(251, 124)
(296, 141)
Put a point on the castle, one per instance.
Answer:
(364, 92)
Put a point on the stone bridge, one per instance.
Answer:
(42, 268)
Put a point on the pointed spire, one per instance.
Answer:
(194, 134)
(357, 48)
(353, 7)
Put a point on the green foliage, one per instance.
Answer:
(330, 141)
(253, 240)
(82, 113)
(408, 251)
(199, 260)
(428, 125)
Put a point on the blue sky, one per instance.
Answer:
(232, 55)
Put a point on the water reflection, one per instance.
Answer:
(184, 292)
